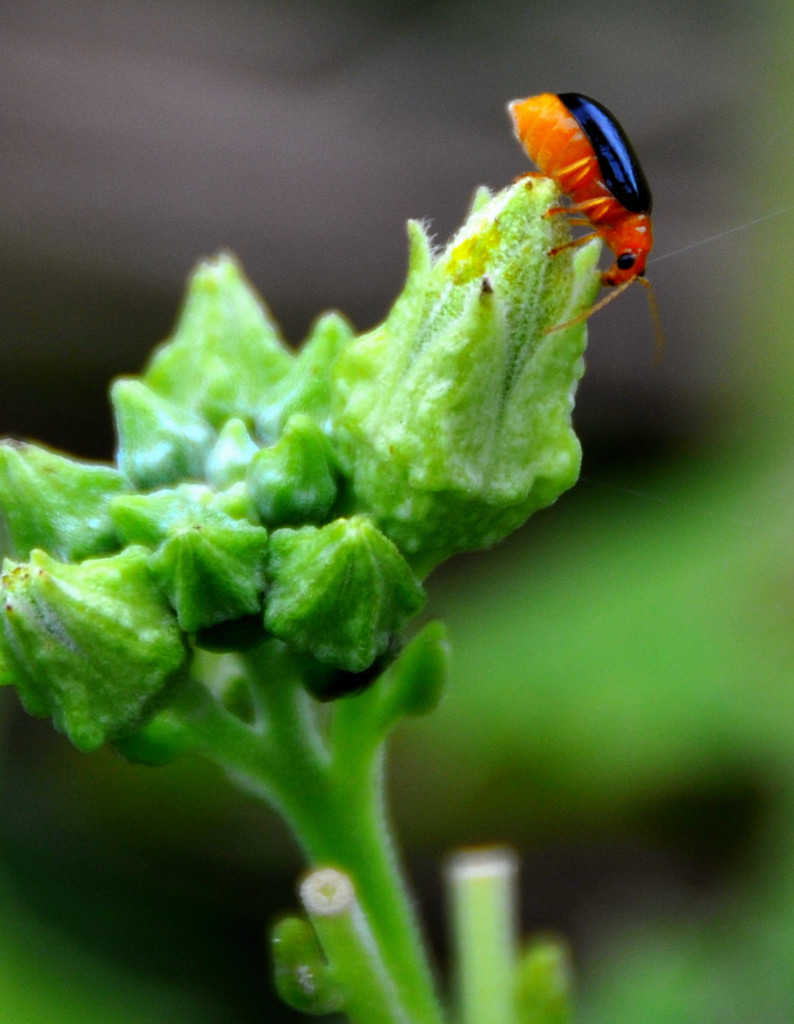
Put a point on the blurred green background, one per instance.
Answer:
(623, 701)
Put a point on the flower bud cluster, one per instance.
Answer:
(303, 495)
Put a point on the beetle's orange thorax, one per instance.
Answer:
(632, 234)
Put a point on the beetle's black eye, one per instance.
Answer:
(626, 260)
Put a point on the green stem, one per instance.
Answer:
(344, 933)
(331, 794)
(347, 830)
(483, 902)
(342, 823)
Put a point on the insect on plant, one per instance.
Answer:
(580, 145)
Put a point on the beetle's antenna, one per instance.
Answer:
(613, 294)
(658, 330)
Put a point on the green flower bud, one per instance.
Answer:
(339, 592)
(149, 518)
(228, 461)
(306, 386)
(543, 983)
(158, 442)
(293, 481)
(414, 684)
(56, 503)
(226, 352)
(326, 683)
(234, 502)
(212, 570)
(211, 565)
(454, 416)
(441, 430)
(161, 740)
(304, 978)
(94, 645)
(411, 680)
(233, 635)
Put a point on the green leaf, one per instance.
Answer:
(226, 353)
(56, 503)
(94, 645)
(339, 592)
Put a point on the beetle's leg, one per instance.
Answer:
(573, 242)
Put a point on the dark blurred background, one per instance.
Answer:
(138, 137)
(622, 701)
